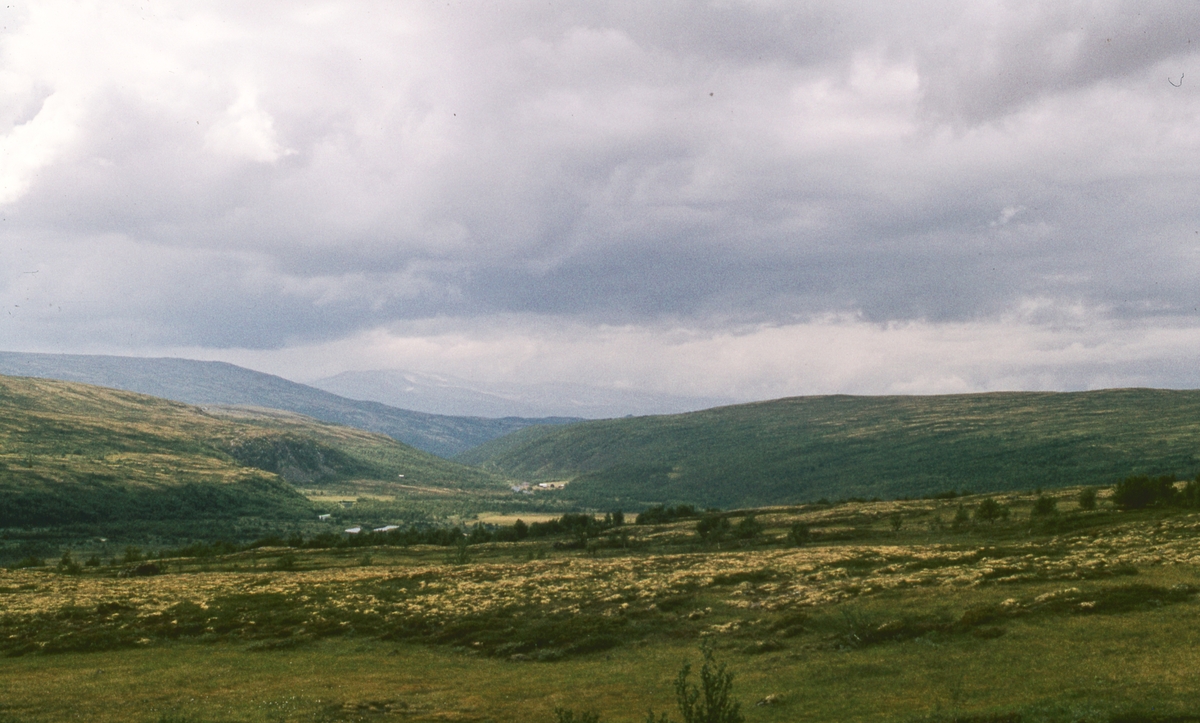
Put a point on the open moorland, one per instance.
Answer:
(1020, 607)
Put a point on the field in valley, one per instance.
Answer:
(904, 611)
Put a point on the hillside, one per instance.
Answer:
(79, 454)
(210, 383)
(806, 448)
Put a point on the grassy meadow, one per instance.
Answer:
(923, 610)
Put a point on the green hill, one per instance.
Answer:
(74, 454)
(219, 383)
(806, 448)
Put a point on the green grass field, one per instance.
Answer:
(890, 611)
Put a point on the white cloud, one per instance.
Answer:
(35, 144)
(247, 131)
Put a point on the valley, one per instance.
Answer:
(978, 558)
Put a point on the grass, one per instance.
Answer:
(994, 622)
(802, 449)
(1041, 670)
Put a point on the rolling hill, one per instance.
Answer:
(219, 383)
(79, 454)
(807, 448)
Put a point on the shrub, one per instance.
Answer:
(1087, 499)
(1139, 491)
(658, 514)
(1190, 496)
(30, 561)
(67, 564)
(459, 555)
(1044, 506)
(799, 534)
(711, 702)
(713, 528)
(990, 510)
(962, 518)
(748, 528)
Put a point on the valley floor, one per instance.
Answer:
(887, 615)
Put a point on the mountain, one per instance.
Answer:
(444, 394)
(211, 383)
(806, 448)
(73, 453)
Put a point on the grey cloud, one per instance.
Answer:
(477, 160)
(988, 60)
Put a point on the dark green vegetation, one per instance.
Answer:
(87, 460)
(218, 383)
(839, 447)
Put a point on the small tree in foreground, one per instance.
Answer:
(712, 701)
(1087, 498)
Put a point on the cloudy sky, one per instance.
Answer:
(746, 199)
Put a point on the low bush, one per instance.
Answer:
(990, 510)
(713, 528)
(1044, 506)
(711, 701)
(659, 515)
(799, 534)
(748, 528)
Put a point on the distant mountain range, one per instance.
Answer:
(444, 394)
(219, 383)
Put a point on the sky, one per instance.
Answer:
(742, 199)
